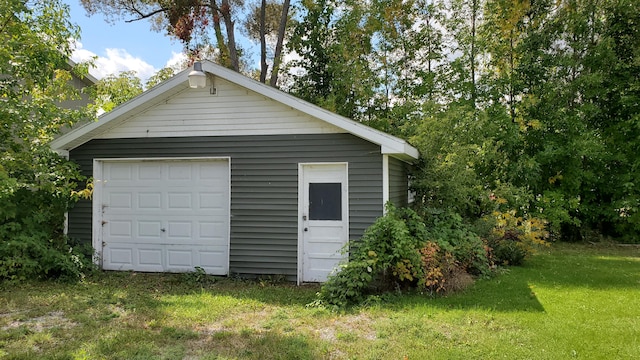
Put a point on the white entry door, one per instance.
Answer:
(163, 215)
(324, 221)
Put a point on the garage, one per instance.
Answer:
(238, 178)
(162, 215)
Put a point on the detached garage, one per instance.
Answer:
(236, 178)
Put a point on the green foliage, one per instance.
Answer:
(387, 253)
(114, 90)
(198, 277)
(32, 243)
(37, 186)
(512, 239)
(398, 252)
(536, 103)
(451, 234)
(160, 76)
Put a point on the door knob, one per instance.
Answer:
(306, 229)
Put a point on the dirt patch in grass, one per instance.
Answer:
(54, 319)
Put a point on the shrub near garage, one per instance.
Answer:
(32, 242)
(400, 252)
(386, 255)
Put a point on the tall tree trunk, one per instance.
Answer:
(281, 32)
(263, 43)
(225, 10)
(222, 45)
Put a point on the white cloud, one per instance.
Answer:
(177, 61)
(116, 61)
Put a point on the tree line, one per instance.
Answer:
(526, 106)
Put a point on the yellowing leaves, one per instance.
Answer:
(556, 177)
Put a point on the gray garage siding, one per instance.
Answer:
(398, 182)
(264, 187)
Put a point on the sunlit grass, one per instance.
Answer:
(572, 301)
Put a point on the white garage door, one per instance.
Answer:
(164, 216)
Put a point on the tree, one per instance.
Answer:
(267, 24)
(160, 76)
(114, 90)
(334, 47)
(192, 21)
(37, 186)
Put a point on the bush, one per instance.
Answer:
(447, 229)
(386, 255)
(513, 238)
(32, 217)
(396, 253)
(442, 273)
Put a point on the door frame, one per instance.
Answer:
(301, 208)
(96, 225)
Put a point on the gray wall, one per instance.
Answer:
(264, 187)
(398, 182)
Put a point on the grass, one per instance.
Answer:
(572, 301)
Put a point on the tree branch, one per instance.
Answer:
(142, 16)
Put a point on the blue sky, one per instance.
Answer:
(122, 46)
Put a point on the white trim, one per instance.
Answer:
(96, 226)
(65, 154)
(385, 182)
(66, 223)
(388, 144)
(97, 198)
(300, 222)
(301, 202)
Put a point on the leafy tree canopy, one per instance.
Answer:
(36, 185)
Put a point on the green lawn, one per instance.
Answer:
(572, 301)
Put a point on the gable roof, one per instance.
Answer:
(389, 144)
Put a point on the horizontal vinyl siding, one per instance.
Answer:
(398, 182)
(233, 111)
(264, 187)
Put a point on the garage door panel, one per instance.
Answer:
(119, 229)
(180, 201)
(150, 257)
(180, 230)
(180, 172)
(211, 259)
(119, 172)
(211, 230)
(149, 171)
(149, 200)
(120, 200)
(166, 215)
(148, 229)
(180, 258)
(118, 256)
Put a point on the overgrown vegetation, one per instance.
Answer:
(37, 185)
(402, 251)
(532, 102)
